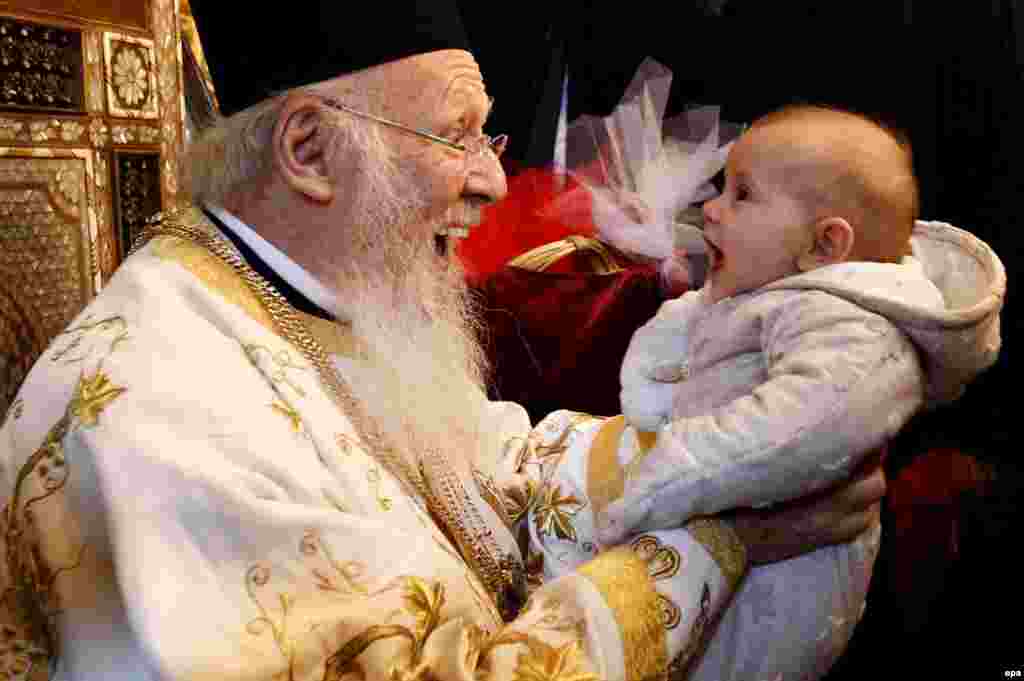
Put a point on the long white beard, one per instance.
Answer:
(420, 372)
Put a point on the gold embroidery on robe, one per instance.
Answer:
(31, 596)
(725, 547)
(282, 363)
(553, 664)
(115, 327)
(215, 275)
(289, 412)
(698, 640)
(605, 478)
(519, 499)
(554, 512)
(622, 579)
(373, 477)
(327, 575)
(663, 562)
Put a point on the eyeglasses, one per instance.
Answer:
(472, 146)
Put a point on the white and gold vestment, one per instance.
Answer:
(188, 497)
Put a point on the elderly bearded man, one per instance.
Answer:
(207, 478)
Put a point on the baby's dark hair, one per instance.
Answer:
(873, 186)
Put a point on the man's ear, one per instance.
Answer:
(300, 148)
(832, 243)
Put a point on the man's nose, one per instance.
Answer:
(486, 178)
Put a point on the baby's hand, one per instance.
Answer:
(634, 206)
(636, 513)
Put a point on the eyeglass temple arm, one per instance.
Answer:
(393, 124)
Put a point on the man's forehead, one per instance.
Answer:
(463, 81)
(434, 81)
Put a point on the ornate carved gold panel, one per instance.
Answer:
(91, 125)
(48, 261)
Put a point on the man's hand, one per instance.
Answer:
(803, 525)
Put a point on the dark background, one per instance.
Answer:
(951, 75)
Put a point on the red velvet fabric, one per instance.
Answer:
(523, 220)
(557, 340)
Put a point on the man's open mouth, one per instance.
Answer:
(456, 231)
(444, 238)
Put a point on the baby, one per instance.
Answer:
(828, 318)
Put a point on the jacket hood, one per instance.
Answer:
(946, 296)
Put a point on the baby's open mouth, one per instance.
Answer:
(715, 256)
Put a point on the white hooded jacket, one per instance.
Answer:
(775, 393)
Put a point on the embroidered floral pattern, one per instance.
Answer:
(423, 601)
(373, 477)
(663, 562)
(289, 412)
(540, 660)
(92, 396)
(114, 329)
(547, 663)
(679, 667)
(519, 499)
(32, 596)
(277, 365)
(538, 450)
(555, 511)
(329, 577)
(554, 619)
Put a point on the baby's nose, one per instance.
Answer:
(711, 211)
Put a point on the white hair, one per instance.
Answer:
(234, 151)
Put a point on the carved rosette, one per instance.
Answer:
(40, 67)
(130, 75)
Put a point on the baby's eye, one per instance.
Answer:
(742, 193)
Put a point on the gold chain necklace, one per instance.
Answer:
(450, 503)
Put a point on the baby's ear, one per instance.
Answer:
(832, 243)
